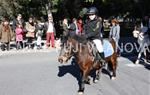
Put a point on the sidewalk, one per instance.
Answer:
(26, 50)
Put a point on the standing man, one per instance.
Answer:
(92, 30)
(50, 34)
(17, 21)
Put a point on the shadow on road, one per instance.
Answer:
(146, 65)
(71, 69)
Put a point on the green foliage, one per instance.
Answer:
(83, 12)
(89, 1)
(55, 2)
(73, 8)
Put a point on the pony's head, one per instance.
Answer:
(66, 51)
(69, 47)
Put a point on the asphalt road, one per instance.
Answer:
(39, 73)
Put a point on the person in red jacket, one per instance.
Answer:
(80, 27)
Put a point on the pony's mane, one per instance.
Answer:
(80, 39)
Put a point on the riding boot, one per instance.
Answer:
(102, 58)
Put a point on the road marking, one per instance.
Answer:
(27, 51)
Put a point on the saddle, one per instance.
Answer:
(108, 49)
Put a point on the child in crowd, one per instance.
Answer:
(19, 37)
(39, 34)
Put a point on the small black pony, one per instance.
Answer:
(78, 47)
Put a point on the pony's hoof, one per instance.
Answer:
(137, 62)
(95, 81)
(87, 82)
(113, 78)
(80, 93)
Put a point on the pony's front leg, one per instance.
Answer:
(84, 79)
(98, 74)
(113, 77)
(81, 84)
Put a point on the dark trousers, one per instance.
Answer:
(30, 42)
(5, 46)
(19, 45)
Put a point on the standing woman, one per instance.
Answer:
(6, 34)
(118, 36)
(73, 28)
(30, 27)
(115, 32)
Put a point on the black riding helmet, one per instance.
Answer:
(92, 10)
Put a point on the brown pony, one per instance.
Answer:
(84, 59)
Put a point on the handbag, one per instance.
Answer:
(30, 34)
